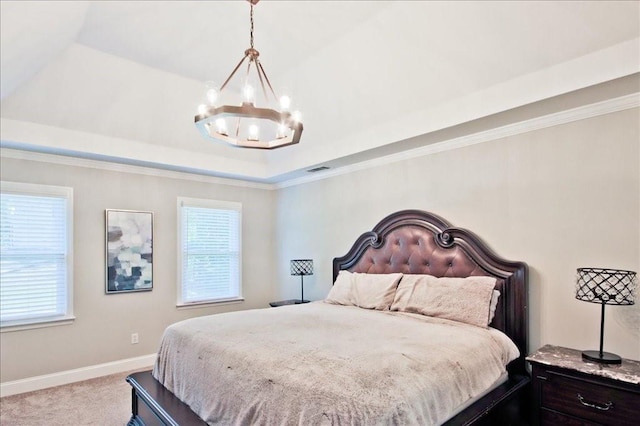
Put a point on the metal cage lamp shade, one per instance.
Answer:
(607, 287)
(302, 267)
(247, 125)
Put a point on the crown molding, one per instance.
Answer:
(550, 120)
(575, 114)
(127, 168)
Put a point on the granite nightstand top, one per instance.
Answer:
(628, 371)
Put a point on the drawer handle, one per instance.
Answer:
(604, 407)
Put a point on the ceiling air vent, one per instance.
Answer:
(318, 169)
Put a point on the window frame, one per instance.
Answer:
(209, 204)
(39, 190)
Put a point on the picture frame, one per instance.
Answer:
(128, 251)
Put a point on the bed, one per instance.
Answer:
(344, 363)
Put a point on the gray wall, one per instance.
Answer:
(104, 323)
(557, 198)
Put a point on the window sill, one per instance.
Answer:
(10, 326)
(210, 303)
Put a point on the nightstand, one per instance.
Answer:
(570, 391)
(287, 302)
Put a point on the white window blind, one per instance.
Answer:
(35, 258)
(210, 246)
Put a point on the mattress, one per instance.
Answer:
(318, 364)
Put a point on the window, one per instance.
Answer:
(36, 285)
(209, 242)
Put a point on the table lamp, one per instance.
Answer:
(607, 287)
(302, 267)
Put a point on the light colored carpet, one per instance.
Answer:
(104, 401)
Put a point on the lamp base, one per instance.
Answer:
(606, 358)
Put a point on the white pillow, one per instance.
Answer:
(368, 291)
(341, 293)
(375, 291)
(404, 291)
(493, 305)
(465, 300)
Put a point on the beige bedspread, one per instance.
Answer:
(318, 364)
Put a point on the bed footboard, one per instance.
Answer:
(508, 404)
(152, 404)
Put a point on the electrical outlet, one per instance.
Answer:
(134, 338)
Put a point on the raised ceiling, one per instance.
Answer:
(122, 80)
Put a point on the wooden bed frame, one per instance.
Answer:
(412, 242)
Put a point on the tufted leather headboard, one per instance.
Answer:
(419, 242)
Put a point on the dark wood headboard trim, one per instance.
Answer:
(514, 299)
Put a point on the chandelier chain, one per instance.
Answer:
(251, 32)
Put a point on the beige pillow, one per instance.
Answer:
(341, 293)
(495, 296)
(369, 291)
(460, 299)
(375, 291)
(404, 292)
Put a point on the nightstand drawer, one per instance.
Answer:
(589, 400)
(548, 417)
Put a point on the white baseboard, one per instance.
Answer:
(65, 377)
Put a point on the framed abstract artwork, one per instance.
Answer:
(129, 251)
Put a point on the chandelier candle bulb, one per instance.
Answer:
(249, 93)
(285, 103)
(254, 132)
(221, 126)
(211, 93)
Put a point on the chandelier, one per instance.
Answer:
(271, 125)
